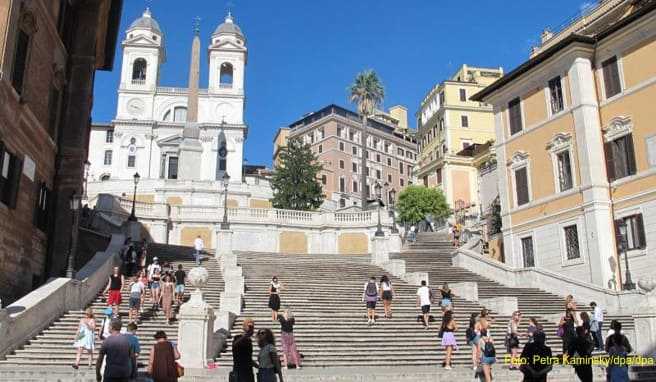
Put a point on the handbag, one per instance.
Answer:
(179, 370)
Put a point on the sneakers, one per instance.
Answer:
(447, 367)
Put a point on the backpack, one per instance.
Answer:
(488, 350)
(470, 334)
(371, 290)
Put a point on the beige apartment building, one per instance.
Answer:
(576, 148)
(334, 133)
(449, 121)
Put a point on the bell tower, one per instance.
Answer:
(143, 53)
(228, 55)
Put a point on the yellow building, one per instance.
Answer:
(448, 121)
(279, 141)
(576, 147)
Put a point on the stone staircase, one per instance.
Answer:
(53, 347)
(432, 253)
(325, 292)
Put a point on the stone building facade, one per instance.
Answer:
(49, 51)
(576, 148)
(334, 135)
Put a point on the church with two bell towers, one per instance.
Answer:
(174, 133)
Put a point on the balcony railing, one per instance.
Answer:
(136, 81)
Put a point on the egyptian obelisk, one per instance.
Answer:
(191, 148)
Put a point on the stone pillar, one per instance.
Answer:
(380, 253)
(224, 251)
(645, 320)
(394, 243)
(467, 290)
(196, 324)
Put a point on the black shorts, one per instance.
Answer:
(371, 304)
(387, 295)
(425, 309)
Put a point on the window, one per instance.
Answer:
(409, 169)
(401, 167)
(342, 187)
(651, 150)
(389, 178)
(109, 136)
(378, 158)
(324, 180)
(463, 95)
(54, 105)
(341, 146)
(635, 232)
(321, 149)
(387, 147)
(322, 133)
(42, 208)
(341, 164)
(351, 136)
(556, 95)
(389, 161)
(515, 116)
(620, 158)
(173, 168)
(226, 75)
(105, 177)
(10, 173)
(355, 186)
(108, 158)
(342, 203)
(139, 71)
(401, 182)
(527, 252)
(611, 76)
(438, 174)
(425, 180)
(521, 186)
(355, 167)
(442, 99)
(354, 150)
(339, 131)
(131, 161)
(20, 61)
(378, 175)
(368, 170)
(572, 242)
(400, 151)
(564, 171)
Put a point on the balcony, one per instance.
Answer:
(138, 81)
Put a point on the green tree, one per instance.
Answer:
(415, 202)
(367, 92)
(295, 185)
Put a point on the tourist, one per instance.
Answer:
(292, 358)
(566, 329)
(155, 289)
(447, 297)
(136, 294)
(114, 287)
(617, 346)
(533, 368)
(152, 268)
(116, 354)
(274, 297)
(85, 338)
(581, 346)
(143, 255)
(424, 299)
(370, 296)
(449, 326)
(167, 298)
(533, 327)
(161, 363)
(180, 277)
(143, 277)
(569, 302)
(388, 295)
(488, 353)
(135, 349)
(597, 325)
(456, 235)
(412, 235)
(473, 335)
(242, 354)
(512, 339)
(105, 325)
(198, 248)
(269, 363)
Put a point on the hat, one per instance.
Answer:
(108, 312)
(159, 334)
(155, 258)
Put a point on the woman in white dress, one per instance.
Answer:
(85, 338)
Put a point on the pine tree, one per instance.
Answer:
(295, 184)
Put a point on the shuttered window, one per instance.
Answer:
(521, 186)
(564, 171)
(572, 242)
(10, 173)
(527, 252)
(464, 121)
(515, 116)
(611, 74)
(20, 61)
(463, 95)
(341, 185)
(620, 158)
(635, 232)
(42, 208)
(556, 94)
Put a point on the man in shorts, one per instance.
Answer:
(114, 287)
(136, 291)
(180, 277)
(424, 297)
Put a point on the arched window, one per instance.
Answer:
(104, 178)
(139, 71)
(177, 114)
(225, 76)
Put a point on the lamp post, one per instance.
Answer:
(87, 164)
(628, 283)
(392, 202)
(75, 210)
(133, 217)
(379, 229)
(224, 224)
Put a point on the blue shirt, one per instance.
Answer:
(134, 343)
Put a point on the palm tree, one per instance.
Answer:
(367, 92)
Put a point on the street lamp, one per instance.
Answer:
(87, 164)
(224, 224)
(392, 202)
(628, 283)
(75, 210)
(379, 229)
(133, 217)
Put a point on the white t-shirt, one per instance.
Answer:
(198, 244)
(137, 287)
(424, 295)
(598, 314)
(151, 269)
(386, 286)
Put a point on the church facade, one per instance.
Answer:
(146, 135)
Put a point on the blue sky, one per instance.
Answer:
(304, 53)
